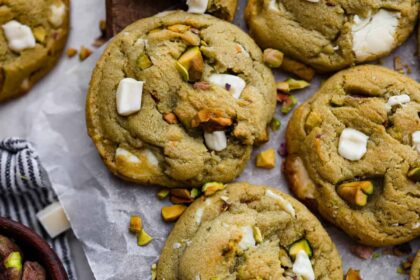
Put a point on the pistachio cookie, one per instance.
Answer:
(248, 232)
(180, 100)
(353, 154)
(32, 36)
(331, 35)
(224, 9)
(415, 268)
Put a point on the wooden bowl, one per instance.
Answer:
(34, 248)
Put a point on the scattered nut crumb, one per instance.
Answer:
(361, 251)
(170, 118)
(298, 68)
(398, 66)
(203, 85)
(71, 52)
(84, 53)
(266, 159)
(353, 274)
(99, 42)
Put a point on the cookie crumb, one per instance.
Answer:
(84, 53)
(71, 52)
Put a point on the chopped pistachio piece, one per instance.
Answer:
(191, 65)
(136, 225)
(143, 61)
(181, 200)
(283, 87)
(182, 193)
(163, 193)
(414, 174)
(275, 124)
(143, 238)
(302, 244)
(212, 187)
(355, 193)
(298, 68)
(273, 58)
(353, 274)
(154, 271)
(288, 102)
(84, 53)
(297, 84)
(40, 34)
(172, 213)
(170, 118)
(266, 159)
(257, 234)
(71, 52)
(195, 193)
(13, 260)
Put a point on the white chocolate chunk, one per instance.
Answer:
(176, 245)
(303, 267)
(247, 240)
(19, 36)
(352, 144)
(129, 95)
(126, 156)
(199, 215)
(151, 158)
(398, 100)
(216, 141)
(232, 83)
(375, 34)
(57, 14)
(283, 202)
(416, 140)
(197, 6)
(273, 5)
(53, 219)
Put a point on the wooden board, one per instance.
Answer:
(120, 13)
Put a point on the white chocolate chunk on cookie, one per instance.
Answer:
(247, 240)
(197, 6)
(303, 267)
(151, 158)
(374, 35)
(129, 95)
(231, 83)
(416, 140)
(57, 13)
(216, 141)
(283, 202)
(127, 156)
(398, 100)
(352, 144)
(19, 36)
(199, 215)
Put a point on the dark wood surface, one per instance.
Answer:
(34, 248)
(120, 13)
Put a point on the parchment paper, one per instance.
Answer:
(99, 204)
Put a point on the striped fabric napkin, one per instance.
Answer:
(25, 189)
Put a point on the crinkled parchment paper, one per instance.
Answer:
(99, 204)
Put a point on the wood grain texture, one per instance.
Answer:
(120, 13)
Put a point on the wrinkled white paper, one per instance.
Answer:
(99, 204)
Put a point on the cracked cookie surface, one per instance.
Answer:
(245, 232)
(48, 21)
(330, 35)
(361, 99)
(163, 142)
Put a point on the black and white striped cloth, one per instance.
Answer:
(25, 189)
